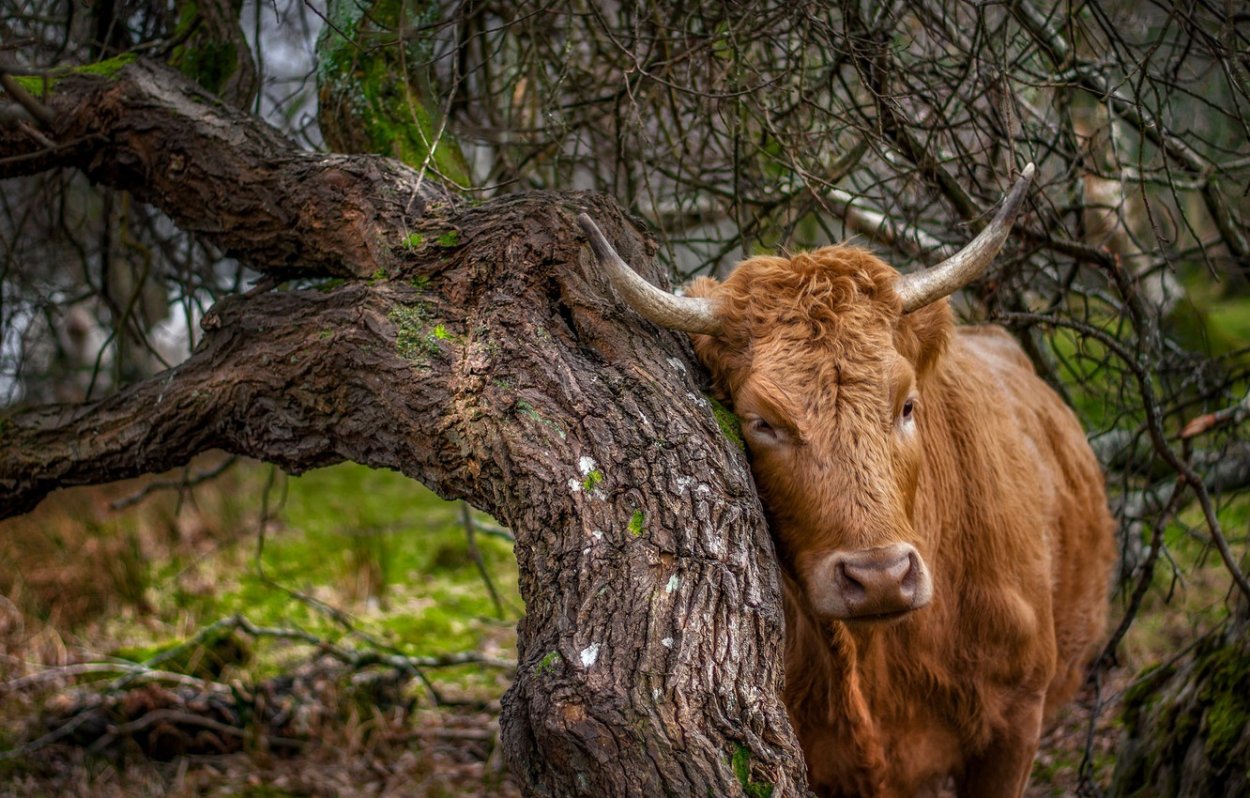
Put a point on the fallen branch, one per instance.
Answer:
(138, 673)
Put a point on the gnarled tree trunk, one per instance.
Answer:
(475, 349)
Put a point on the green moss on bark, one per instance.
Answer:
(375, 94)
(1187, 725)
(40, 86)
(728, 423)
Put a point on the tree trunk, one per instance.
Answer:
(478, 350)
(1187, 724)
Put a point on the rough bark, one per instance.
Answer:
(475, 349)
(217, 172)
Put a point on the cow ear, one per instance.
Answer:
(923, 334)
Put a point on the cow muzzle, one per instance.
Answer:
(872, 584)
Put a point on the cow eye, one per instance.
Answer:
(759, 428)
(909, 407)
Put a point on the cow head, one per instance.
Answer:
(824, 357)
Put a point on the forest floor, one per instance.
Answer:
(103, 615)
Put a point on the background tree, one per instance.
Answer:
(441, 318)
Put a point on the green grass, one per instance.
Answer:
(379, 540)
(374, 544)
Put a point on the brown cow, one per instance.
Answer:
(940, 517)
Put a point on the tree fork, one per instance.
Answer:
(478, 350)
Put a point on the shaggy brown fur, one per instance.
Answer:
(986, 473)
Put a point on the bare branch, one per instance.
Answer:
(38, 111)
(148, 130)
(235, 394)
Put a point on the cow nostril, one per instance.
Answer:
(852, 588)
(907, 585)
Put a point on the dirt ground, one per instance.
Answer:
(440, 753)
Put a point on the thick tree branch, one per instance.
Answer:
(478, 350)
(259, 385)
(224, 175)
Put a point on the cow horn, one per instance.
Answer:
(921, 288)
(688, 314)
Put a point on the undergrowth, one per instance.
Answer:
(359, 558)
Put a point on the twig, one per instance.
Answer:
(1145, 577)
(30, 130)
(185, 482)
(494, 530)
(470, 533)
(357, 658)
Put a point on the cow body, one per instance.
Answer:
(941, 520)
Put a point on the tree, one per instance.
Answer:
(469, 347)
(437, 312)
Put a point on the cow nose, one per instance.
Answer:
(870, 583)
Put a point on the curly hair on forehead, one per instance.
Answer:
(821, 287)
(835, 298)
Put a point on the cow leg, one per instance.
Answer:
(1002, 769)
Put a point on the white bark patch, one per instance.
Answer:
(575, 486)
(677, 364)
(667, 642)
(597, 534)
(673, 582)
(589, 654)
(586, 465)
